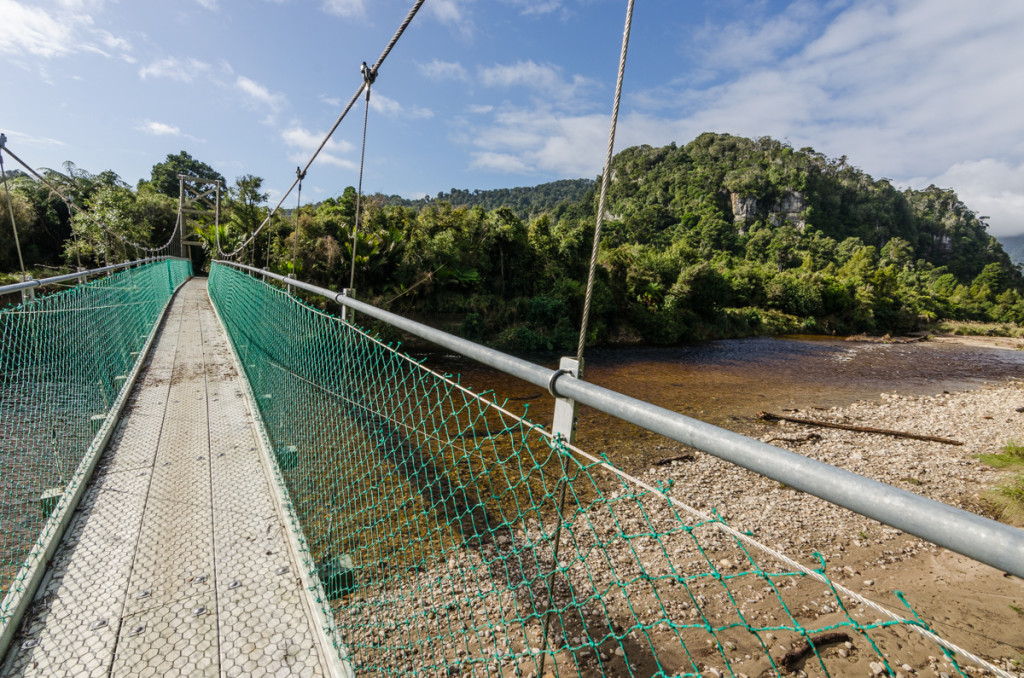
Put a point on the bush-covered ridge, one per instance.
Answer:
(524, 201)
(721, 237)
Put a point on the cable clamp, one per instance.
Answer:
(554, 377)
(299, 173)
(369, 74)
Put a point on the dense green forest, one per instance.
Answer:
(722, 237)
(525, 202)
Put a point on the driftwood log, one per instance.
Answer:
(768, 416)
(803, 649)
(687, 456)
(805, 438)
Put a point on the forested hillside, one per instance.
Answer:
(721, 237)
(524, 201)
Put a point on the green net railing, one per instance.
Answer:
(64, 361)
(430, 514)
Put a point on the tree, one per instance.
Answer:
(164, 175)
(112, 222)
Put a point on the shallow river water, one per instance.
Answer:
(727, 382)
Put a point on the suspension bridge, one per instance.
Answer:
(231, 476)
(214, 477)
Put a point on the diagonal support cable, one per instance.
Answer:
(327, 137)
(10, 206)
(73, 208)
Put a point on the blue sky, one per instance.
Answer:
(496, 93)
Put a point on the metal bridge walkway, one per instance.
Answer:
(177, 562)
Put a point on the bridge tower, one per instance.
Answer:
(194, 199)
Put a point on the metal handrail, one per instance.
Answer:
(32, 284)
(980, 538)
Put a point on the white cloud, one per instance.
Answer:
(348, 8)
(81, 5)
(756, 40)
(533, 140)
(443, 70)
(539, 7)
(259, 94)
(305, 142)
(993, 188)
(173, 69)
(542, 78)
(500, 162)
(111, 41)
(48, 34)
(30, 140)
(36, 31)
(392, 109)
(159, 128)
(479, 110)
(453, 13)
(208, 4)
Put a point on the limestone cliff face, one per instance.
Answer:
(942, 243)
(788, 208)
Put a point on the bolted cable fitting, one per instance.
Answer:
(369, 74)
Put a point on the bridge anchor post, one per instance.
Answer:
(564, 429)
(346, 314)
(28, 294)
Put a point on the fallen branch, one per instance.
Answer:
(794, 439)
(768, 416)
(668, 460)
(803, 649)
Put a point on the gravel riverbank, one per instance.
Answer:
(645, 590)
(970, 604)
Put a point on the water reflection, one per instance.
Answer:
(728, 382)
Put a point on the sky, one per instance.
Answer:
(482, 94)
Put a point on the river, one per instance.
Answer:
(727, 382)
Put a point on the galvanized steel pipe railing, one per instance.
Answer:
(982, 539)
(33, 284)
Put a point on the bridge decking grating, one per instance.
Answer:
(176, 562)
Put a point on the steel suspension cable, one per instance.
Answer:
(584, 322)
(298, 208)
(355, 97)
(368, 77)
(10, 206)
(605, 178)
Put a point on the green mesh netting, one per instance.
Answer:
(430, 514)
(64, 360)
